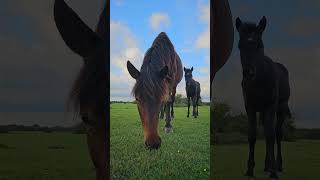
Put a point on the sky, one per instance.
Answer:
(292, 37)
(135, 24)
(36, 67)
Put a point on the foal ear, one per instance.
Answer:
(132, 70)
(192, 68)
(164, 72)
(238, 23)
(75, 33)
(262, 24)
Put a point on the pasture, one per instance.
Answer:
(184, 154)
(300, 161)
(50, 156)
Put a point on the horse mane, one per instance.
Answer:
(149, 84)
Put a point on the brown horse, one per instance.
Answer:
(221, 44)
(89, 97)
(221, 36)
(156, 84)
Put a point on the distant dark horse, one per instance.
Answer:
(192, 90)
(89, 96)
(265, 86)
(156, 84)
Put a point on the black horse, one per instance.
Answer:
(266, 89)
(193, 91)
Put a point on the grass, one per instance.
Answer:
(301, 161)
(184, 154)
(37, 155)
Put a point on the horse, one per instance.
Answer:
(221, 44)
(192, 91)
(221, 36)
(89, 95)
(266, 90)
(155, 85)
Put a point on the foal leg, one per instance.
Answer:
(188, 106)
(269, 131)
(168, 127)
(194, 107)
(252, 136)
(279, 135)
(197, 106)
(173, 96)
(162, 111)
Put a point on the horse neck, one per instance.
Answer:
(248, 56)
(188, 81)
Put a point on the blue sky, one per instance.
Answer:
(134, 26)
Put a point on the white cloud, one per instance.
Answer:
(124, 47)
(158, 21)
(203, 40)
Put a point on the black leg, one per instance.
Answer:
(168, 127)
(197, 106)
(162, 111)
(173, 96)
(194, 107)
(188, 106)
(252, 134)
(279, 136)
(269, 131)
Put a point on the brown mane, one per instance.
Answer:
(150, 85)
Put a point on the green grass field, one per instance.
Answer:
(50, 156)
(301, 161)
(184, 154)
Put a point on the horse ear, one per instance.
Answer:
(262, 24)
(75, 33)
(132, 70)
(192, 68)
(184, 69)
(164, 72)
(238, 23)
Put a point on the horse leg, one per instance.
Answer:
(173, 96)
(269, 131)
(252, 135)
(197, 106)
(279, 135)
(168, 127)
(188, 106)
(162, 110)
(193, 107)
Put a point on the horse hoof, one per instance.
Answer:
(249, 174)
(273, 176)
(168, 130)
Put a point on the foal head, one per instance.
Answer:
(250, 45)
(251, 34)
(187, 73)
(150, 91)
